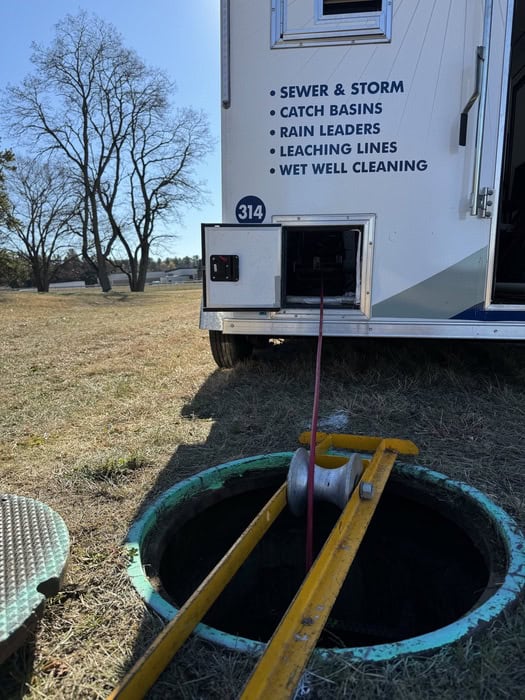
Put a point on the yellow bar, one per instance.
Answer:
(323, 445)
(279, 670)
(148, 668)
(357, 443)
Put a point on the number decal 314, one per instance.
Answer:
(250, 210)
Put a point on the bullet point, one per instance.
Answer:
(272, 93)
(272, 170)
(272, 151)
(272, 112)
(272, 132)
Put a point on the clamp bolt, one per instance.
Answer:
(366, 490)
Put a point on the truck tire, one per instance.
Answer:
(228, 350)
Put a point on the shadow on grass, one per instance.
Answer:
(16, 671)
(460, 402)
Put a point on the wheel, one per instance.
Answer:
(229, 350)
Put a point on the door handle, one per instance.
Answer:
(463, 124)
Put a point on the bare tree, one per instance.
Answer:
(74, 103)
(45, 207)
(156, 171)
(95, 102)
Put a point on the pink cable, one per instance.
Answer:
(311, 461)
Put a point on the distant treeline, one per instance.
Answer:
(16, 272)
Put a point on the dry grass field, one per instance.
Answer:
(107, 400)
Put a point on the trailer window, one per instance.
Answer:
(317, 22)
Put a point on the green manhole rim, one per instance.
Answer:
(215, 478)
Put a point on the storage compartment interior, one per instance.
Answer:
(327, 257)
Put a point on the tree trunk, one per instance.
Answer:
(40, 279)
(102, 271)
(102, 275)
(138, 275)
(143, 267)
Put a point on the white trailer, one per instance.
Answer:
(374, 149)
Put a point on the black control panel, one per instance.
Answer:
(224, 268)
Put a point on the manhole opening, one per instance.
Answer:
(428, 558)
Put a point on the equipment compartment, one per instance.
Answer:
(327, 256)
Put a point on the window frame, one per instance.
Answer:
(343, 28)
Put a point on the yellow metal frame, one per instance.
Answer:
(280, 668)
(149, 667)
(353, 443)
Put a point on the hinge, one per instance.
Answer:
(485, 202)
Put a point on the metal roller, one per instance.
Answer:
(333, 485)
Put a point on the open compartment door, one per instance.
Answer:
(242, 267)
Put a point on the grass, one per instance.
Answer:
(107, 400)
(109, 469)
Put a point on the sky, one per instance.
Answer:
(181, 38)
